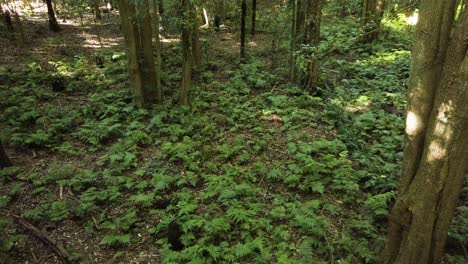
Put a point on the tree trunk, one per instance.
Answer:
(219, 14)
(187, 56)
(298, 36)
(435, 155)
(157, 47)
(53, 24)
(22, 39)
(254, 16)
(372, 14)
(242, 34)
(4, 160)
(196, 47)
(97, 10)
(292, 60)
(138, 37)
(312, 38)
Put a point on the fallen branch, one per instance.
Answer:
(57, 248)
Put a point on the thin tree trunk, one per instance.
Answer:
(187, 56)
(157, 46)
(292, 62)
(254, 16)
(97, 10)
(435, 159)
(20, 29)
(151, 92)
(4, 160)
(242, 34)
(372, 14)
(312, 38)
(53, 24)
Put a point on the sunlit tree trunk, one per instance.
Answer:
(242, 34)
(435, 155)
(254, 16)
(187, 53)
(136, 24)
(372, 14)
(4, 160)
(53, 24)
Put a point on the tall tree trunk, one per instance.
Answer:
(312, 38)
(138, 36)
(97, 10)
(196, 46)
(242, 34)
(292, 59)
(435, 156)
(254, 16)
(187, 54)
(22, 39)
(157, 46)
(53, 24)
(372, 14)
(219, 14)
(4, 160)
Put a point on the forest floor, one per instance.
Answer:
(256, 170)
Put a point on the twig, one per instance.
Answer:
(57, 248)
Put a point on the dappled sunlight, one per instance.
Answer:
(436, 151)
(413, 19)
(413, 123)
(360, 104)
(170, 40)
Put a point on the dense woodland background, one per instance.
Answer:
(233, 131)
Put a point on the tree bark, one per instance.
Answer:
(292, 59)
(312, 38)
(187, 55)
(372, 14)
(242, 34)
(196, 46)
(254, 16)
(435, 157)
(138, 37)
(157, 47)
(53, 24)
(97, 10)
(4, 160)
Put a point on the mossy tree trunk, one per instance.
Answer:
(242, 33)
(435, 156)
(4, 160)
(371, 18)
(53, 24)
(136, 24)
(187, 28)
